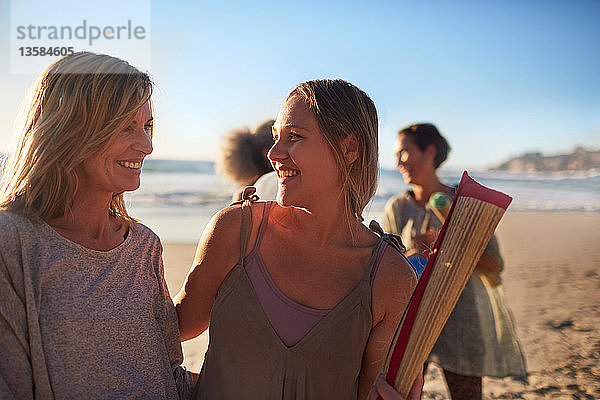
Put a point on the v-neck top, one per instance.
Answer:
(247, 359)
(290, 320)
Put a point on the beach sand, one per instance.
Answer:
(552, 285)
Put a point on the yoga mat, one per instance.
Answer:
(471, 222)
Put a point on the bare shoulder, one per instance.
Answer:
(393, 286)
(395, 271)
(225, 221)
(223, 232)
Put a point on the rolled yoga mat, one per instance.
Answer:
(470, 224)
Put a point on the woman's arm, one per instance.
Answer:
(392, 288)
(488, 265)
(16, 332)
(217, 253)
(387, 392)
(491, 262)
(167, 320)
(16, 375)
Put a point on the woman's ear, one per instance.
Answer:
(350, 148)
(431, 151)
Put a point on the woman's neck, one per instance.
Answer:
(324, 226)
(89, 223)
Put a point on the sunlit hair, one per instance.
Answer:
(342, 109)
(243, 157)
(426, 134)
(80, 102)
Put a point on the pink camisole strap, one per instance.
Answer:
(288, 318)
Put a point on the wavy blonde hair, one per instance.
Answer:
(80, 102)
(341, 109)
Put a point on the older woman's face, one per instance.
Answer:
(117, 168)
(305, 165)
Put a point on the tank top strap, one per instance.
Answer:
(248, 197)
(378, 251)
(263, 224)
(393, 240)
(385, 239)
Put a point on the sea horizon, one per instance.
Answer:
(177, 198)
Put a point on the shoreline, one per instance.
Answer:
(183, 227)
(551, 281)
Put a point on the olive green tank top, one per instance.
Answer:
(246, 359)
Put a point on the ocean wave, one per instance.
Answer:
(178, 167)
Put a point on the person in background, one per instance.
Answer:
(479, 338)
(243, 157)
(308, 307)
(85, 310)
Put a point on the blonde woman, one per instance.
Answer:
(308, 307)
(85, 310)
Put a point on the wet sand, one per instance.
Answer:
(552, 286)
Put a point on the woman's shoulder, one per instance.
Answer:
(230, 218)
(225, 226)
(144, 236)
(8, 227)
(143, 230)
(395, 270)
(393, 285)
(393, 257)
(393, 265)
(11, 223)
(8, 218)
(399, 201)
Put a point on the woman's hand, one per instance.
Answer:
(423, 242)
(385, 391)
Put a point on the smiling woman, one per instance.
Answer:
(307, 308)
(117, 168)
(85, 309)
(478, 339)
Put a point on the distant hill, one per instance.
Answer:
(579, 160)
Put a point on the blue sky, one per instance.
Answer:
(497, 78)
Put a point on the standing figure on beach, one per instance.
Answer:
(243, 157)
(479, 338)
(308, 307)
(85, 310)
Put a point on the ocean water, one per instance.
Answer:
(177, 198)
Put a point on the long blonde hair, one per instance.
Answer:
(342, 109)
(80, 102)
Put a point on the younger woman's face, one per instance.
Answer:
(414, 164)
(306, 168)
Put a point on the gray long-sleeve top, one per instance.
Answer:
(78, 323)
